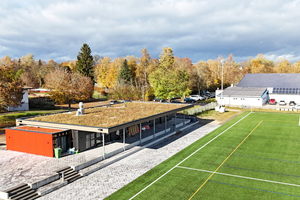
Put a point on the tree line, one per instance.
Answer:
(127, 77)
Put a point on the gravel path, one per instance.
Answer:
(106, 181)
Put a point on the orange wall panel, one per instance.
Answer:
(9, 139)
(29, 142)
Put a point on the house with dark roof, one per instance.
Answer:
(259, 88)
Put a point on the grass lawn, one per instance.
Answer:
(8, 120)
(253, 156)
(212, 114)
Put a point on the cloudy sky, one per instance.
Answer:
(199, 30)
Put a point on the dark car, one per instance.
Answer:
(158, 99)
(189, 100)
(113, 102)
(292, 103)
(175, 101)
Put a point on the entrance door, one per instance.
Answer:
(62, 143)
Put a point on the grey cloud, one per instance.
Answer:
(199, 30)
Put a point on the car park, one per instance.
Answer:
(292, 103)
(189, 100)
(272, 102)
(282, 103)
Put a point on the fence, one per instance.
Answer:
(198, 110)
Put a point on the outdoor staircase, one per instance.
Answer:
(70, 175)
(23, 191)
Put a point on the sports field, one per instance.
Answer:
(253, 156)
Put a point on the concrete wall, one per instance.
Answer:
(239, 101)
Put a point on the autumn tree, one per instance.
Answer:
(142, 71)
(113, 71)
(67, 86)
(282, 66)
(101, 71)
(204, 75)
(132, 65)
(261, 65)
(85, 62)
(11, 88)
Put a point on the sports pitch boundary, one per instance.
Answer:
(225, 160)
(188, 157)
(244, 177)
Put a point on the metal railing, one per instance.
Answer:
(197, 110)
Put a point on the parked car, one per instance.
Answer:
(282, 103)
(126, 101)
(196, 97)
(292, 103)
(158, 99)
(212, 95)
(296, 107)
(272, 102)
(113, 102)
(175, 101)
(189, 100)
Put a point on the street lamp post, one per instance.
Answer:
(222, 62)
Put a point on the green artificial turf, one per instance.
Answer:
(263, 146)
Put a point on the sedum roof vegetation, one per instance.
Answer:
(110, 116)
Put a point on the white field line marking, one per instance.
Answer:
(189, 156)
(245, 177)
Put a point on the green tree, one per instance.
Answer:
(166, 57)
(85, 62)
(125, 73)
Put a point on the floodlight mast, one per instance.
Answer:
(222, 62)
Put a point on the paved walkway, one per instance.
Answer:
(17, 167)
(106, 181)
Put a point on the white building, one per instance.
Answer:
(25, 105)
(257, 89)
(243, 96)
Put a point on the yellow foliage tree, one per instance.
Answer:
(101, 71)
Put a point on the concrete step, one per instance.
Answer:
(65, 169)
(34, 197)
(73, 178)
(70, 174)
(13, 191)
(19, 192)
(28, 193)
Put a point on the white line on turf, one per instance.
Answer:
(245, 177)
(189, 156)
